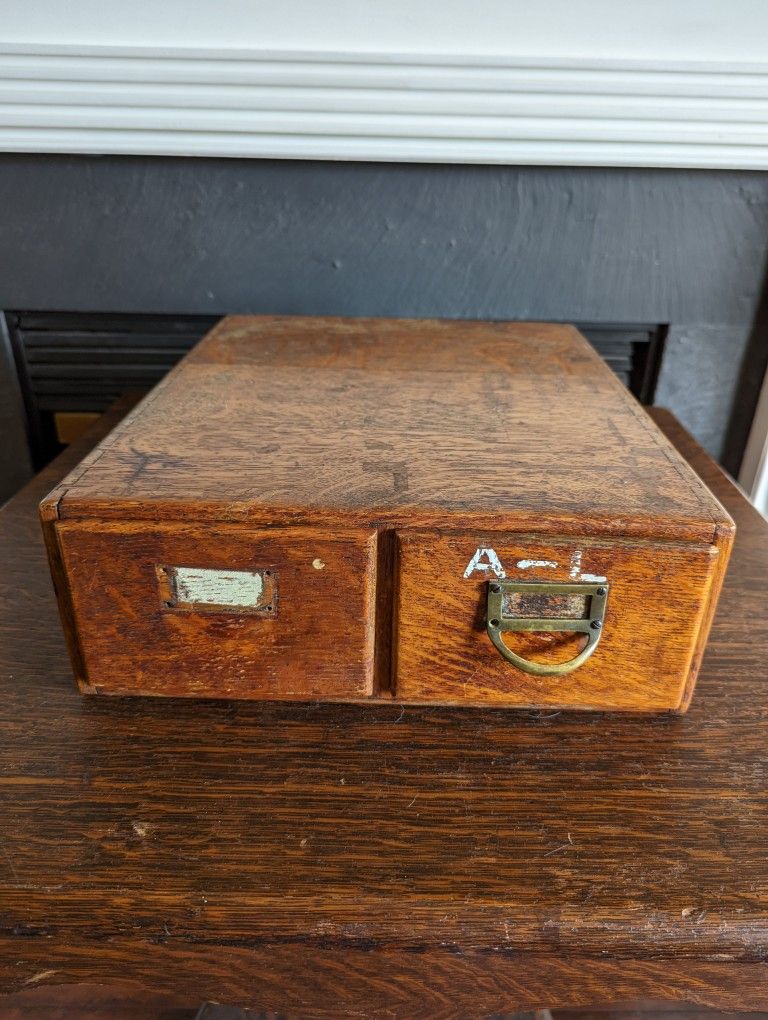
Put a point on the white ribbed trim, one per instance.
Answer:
(382, 107)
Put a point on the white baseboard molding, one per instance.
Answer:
(383, 107)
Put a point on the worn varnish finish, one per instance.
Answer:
(653, 616)
(146, 645)
(326, 859)
(406, 422)
(365, 462)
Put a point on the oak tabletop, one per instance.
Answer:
(299, 855)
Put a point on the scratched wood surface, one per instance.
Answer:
(143, 645)
(329, 860)
(652, 624)
(387, 430)
(400, 421)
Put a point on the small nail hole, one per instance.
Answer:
(168, 605)
(494, 623)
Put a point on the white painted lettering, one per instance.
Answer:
(485, 560)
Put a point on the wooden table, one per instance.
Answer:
(376, 860)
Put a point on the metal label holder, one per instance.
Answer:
(590, 623)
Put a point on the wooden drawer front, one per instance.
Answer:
(657, 594)
(145, 629)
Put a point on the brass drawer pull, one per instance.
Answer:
(529, 606)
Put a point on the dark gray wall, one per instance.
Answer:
(170, 235)
(686, 248)
(15, 459)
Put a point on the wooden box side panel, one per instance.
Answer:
(318, 641)
(659, 598)
(725, 536)
(61, 587)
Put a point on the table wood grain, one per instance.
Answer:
(328, 860)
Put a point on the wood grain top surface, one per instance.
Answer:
(146, 823)
(426, 422)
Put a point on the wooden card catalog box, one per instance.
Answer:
(366, 509)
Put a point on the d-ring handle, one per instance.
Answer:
(585, 601)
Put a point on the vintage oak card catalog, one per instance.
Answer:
(367, 509)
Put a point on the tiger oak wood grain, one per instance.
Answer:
(143, 645)
(380, 860)
(407, 422)
(652, 623)
(392, 432)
